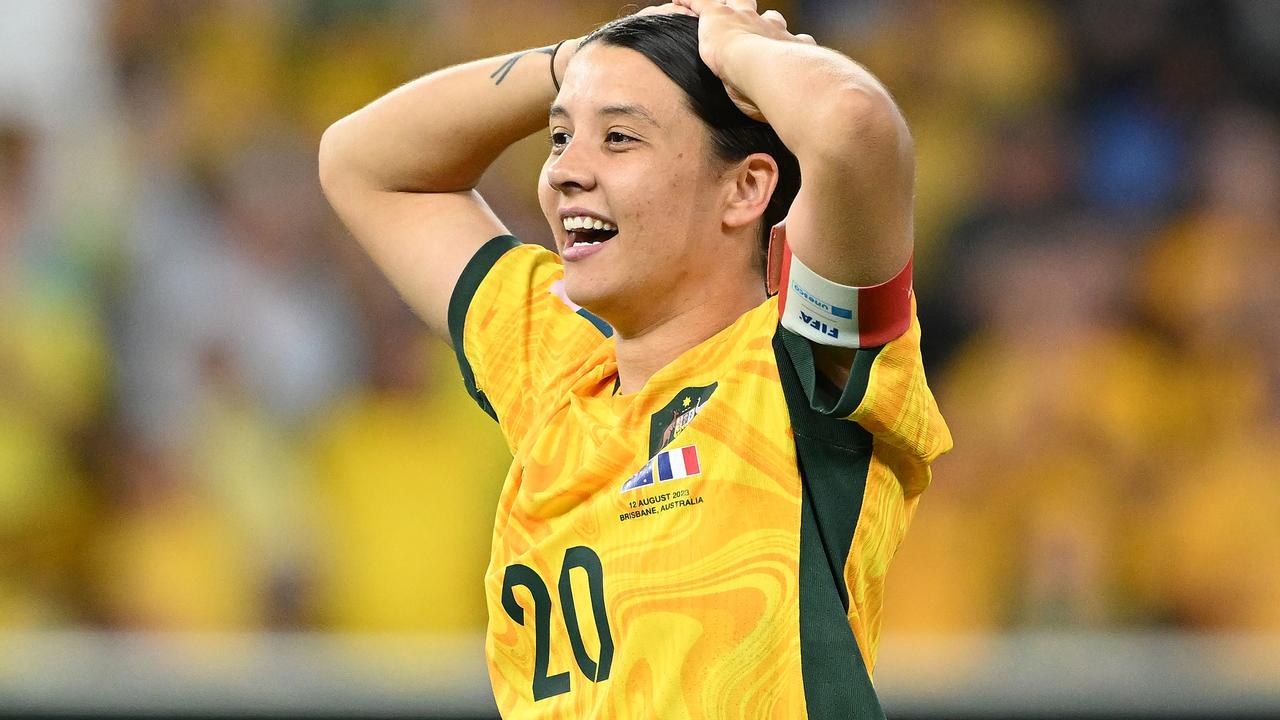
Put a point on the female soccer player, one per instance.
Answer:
(709, 479)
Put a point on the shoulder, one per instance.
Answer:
(515, 333)
(501, 260)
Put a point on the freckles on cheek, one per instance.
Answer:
(663, 203)
(655, 209)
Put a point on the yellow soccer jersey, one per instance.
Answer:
(712, 546)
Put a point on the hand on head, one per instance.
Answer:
(722, 21)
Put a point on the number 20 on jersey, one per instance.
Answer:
(596, 669)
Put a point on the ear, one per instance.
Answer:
(753, 180)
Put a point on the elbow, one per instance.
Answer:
(862, 121)
(332, 163)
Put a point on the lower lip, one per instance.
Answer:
(580, 251)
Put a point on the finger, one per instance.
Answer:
(742, 4)
(697, 6)
(666, 9)
(774, 17)
(807, 39)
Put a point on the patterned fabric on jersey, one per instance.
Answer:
(712, 546)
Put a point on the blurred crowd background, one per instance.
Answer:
(216, 415)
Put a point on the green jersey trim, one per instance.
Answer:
(822, 395)
(460, 301)
(832, 457)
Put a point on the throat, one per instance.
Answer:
(641, 355)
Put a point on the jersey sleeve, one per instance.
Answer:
(518, 339)
(887, 394)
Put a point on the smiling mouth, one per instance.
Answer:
(588, 231)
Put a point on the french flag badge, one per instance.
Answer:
(678, 463)
(666, 465)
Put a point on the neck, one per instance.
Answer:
(646, 350)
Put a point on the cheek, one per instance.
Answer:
(666, 202)
(661, 186)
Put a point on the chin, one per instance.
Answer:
(594, 296)
(582, 291)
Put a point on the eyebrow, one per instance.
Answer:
(629, 109)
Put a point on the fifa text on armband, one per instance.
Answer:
(819, 325)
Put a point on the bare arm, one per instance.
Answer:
(401, 172)
(851, 221)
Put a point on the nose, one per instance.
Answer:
(570, 171)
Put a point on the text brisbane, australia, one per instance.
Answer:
(661, 503)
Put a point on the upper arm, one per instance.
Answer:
(851, 221)
(421, 241)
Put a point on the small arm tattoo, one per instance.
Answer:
(501, 73)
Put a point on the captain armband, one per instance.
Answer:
(829, 313)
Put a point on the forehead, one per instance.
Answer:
(602, 75)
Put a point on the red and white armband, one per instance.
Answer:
(829, 313)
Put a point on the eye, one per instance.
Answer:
(617, 138)
(559, 139)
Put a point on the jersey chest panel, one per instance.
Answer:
(696, 547)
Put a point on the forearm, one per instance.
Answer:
(819, 101)
(852, 221)
(440, 132)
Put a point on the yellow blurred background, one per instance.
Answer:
(216, 416)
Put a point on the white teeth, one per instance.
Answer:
(584, 222)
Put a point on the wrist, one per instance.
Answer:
(733, 48)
